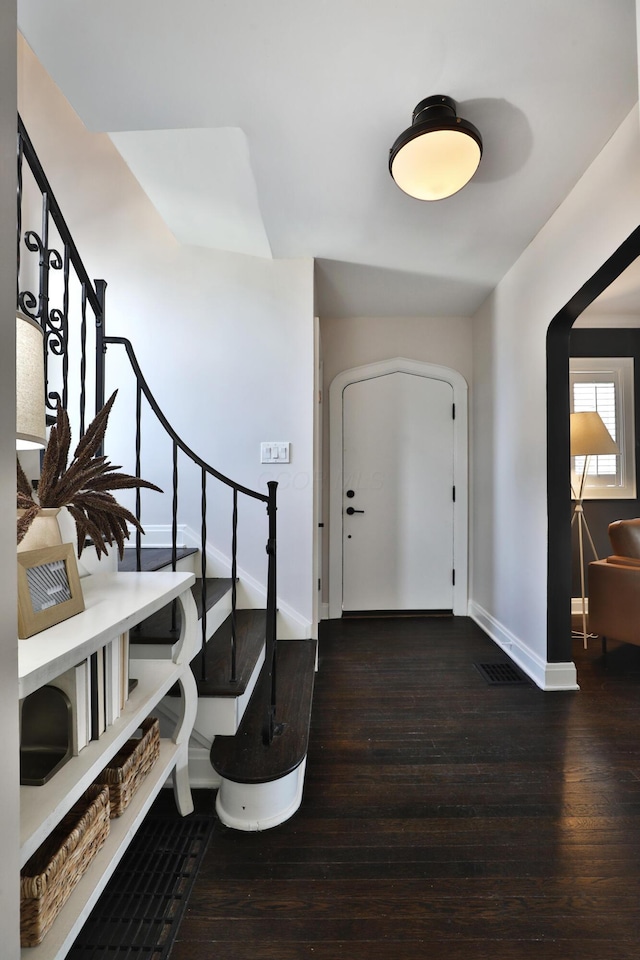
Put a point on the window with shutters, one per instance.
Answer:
(605, 384)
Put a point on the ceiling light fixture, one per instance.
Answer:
(438, 154)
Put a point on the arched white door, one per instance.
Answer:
(397, 521)
(398, 453)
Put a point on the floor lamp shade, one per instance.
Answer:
(30, 412)
(590, 437)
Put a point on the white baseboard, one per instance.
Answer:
(160, 535)
(202, 776)
(547, 676)
(324, 611)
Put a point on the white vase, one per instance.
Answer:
(55, 525)
(43, 532)
(88, 562)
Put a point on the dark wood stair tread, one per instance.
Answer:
(250, 638)
(157, 628)
(244, 758)
(151, 558)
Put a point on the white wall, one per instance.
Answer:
(9, 803)
(509, 534)
(224, 340)
(355, 341)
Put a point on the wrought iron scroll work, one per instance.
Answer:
(53, 320)
(53, 317)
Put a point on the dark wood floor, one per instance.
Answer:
(443, 818)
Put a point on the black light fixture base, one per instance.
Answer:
(434, 108)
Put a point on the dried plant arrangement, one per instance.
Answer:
(83, 486)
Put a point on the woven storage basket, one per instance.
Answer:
(131, 764)
(49, 876)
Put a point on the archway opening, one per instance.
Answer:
(559, 644)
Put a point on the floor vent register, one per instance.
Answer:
(501, 674)
(139, 912)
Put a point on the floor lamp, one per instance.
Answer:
(589, 438)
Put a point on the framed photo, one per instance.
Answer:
(48, 588)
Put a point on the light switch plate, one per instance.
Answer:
(275, 451)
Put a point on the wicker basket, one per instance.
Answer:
(131, 764)
(49, 876)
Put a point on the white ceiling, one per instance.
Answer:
(290, 108)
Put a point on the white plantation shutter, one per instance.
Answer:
(601, 397)
(606, 386)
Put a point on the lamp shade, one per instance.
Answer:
(590, 437)
(30, 413)
(438, 154)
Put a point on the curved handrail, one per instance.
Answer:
(172, 433)
(270, 727)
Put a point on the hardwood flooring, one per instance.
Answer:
(443, 817)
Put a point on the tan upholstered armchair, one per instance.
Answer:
(614, 586)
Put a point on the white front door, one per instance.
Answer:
(397, 510)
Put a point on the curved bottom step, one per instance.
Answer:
(260, 806)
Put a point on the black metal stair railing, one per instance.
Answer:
(207, 471)
(53, 286)
(66, 273)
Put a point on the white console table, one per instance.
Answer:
(114, 603)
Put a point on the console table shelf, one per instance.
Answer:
(115, 603)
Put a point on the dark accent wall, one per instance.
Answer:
(600, 513)
(559, 643)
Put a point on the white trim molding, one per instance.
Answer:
(291, 624)
(460, 469)
(547, 676)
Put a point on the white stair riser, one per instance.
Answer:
(190, 564)
(216, 716)
(221, 716)
(260, 806)
(160, 651)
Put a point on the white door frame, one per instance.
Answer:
(317, 473)
(369, 371)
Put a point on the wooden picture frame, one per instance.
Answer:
(49, 588)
